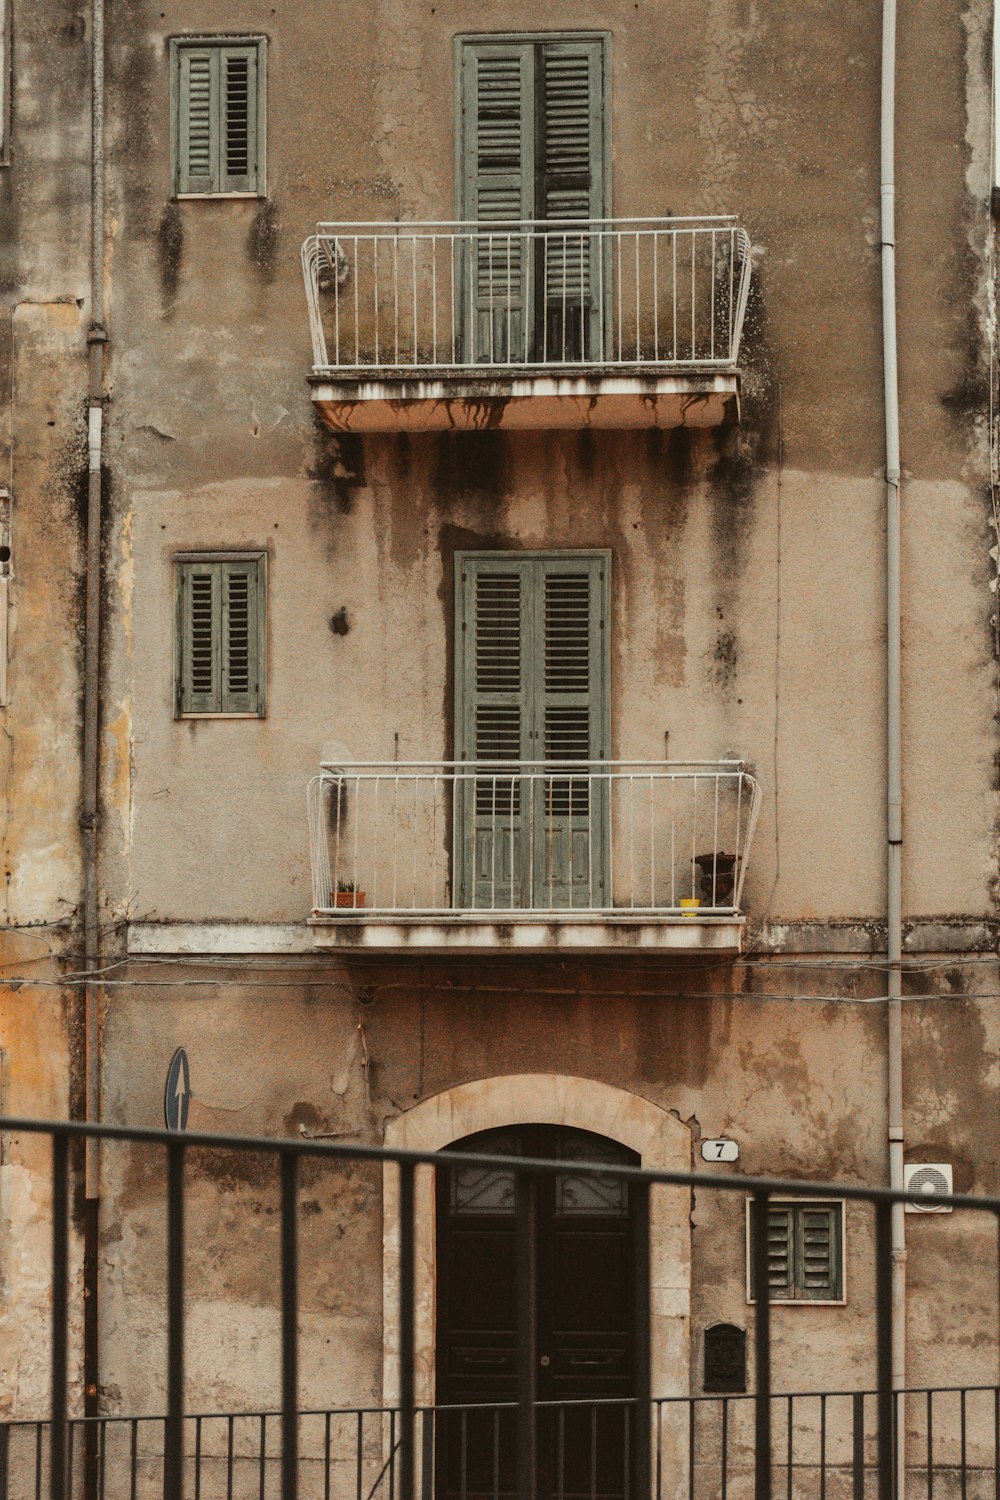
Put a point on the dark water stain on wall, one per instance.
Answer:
(170, 255)
(262, 241)
(338, 468)
(472, 463)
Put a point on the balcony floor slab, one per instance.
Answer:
(526, 401)
(528, 932)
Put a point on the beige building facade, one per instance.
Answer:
(492, 523)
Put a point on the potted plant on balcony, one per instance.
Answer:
(348, 895)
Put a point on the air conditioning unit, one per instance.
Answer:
(928, 1177)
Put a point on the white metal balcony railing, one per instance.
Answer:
(444, 838)
(623, 294)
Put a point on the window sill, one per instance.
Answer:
(214, 197)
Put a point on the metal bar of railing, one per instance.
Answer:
(407, 1337)
(640, 1207)
(527, 1352)
(60, 1312)
(4, 1463)
(762, 1344)
(289, 1328)
(858, 1434)
(173, 1449)
(883, 1346)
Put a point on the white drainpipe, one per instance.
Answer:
(894, 785)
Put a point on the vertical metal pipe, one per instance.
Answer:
(289, 1327)
(894, 785)
(527, 1358)
(89, 817)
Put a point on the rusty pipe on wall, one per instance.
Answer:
(90, 813)
(894, 784)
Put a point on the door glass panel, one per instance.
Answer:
(580, 1193)
(486, 1190)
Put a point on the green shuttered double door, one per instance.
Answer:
(533, 149)
(532, 687)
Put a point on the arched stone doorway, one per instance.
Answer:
(657, 1137)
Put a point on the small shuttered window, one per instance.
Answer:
(218, 106)
(805, 1252)
(220, 635)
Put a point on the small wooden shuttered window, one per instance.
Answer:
(533, 149)
(804, 1252)
(532, 686)
(220, 636)
(218, 107)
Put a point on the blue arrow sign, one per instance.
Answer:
(177, 1094)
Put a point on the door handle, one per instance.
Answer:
(485, 1359)
(609, 1360)
(545, 1361)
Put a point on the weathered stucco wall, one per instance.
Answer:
(748, 594)
(800, 1085)
(747, 617)
(44, 195)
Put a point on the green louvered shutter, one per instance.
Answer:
(533, 687)
(498, 120)
(571, 188)
(238, 643)
(220, 637)
(238, 110)
(200, 614)
(495, 627)
(218, 101)
(805, 1252)
(198, 120)
(570, 712)
(817, 1252)
(781, 1251)
(533, 148)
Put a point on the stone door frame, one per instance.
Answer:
(659, 1138)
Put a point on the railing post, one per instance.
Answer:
(173, 1447)
(407, 1341)
(643, 1377)
(858, 1428)
(60, 1311)
(883, 1335)
(289, 1327)
(762, 1347)
(4, 1461)
(527, 1353)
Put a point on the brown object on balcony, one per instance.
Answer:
(718, 876)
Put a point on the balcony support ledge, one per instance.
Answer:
(527, 402)
(471, 932)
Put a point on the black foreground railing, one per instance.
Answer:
(821, 1448)
(405, 1430)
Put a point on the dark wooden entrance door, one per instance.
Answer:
(584, 1313)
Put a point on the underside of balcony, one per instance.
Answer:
(512, 400)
